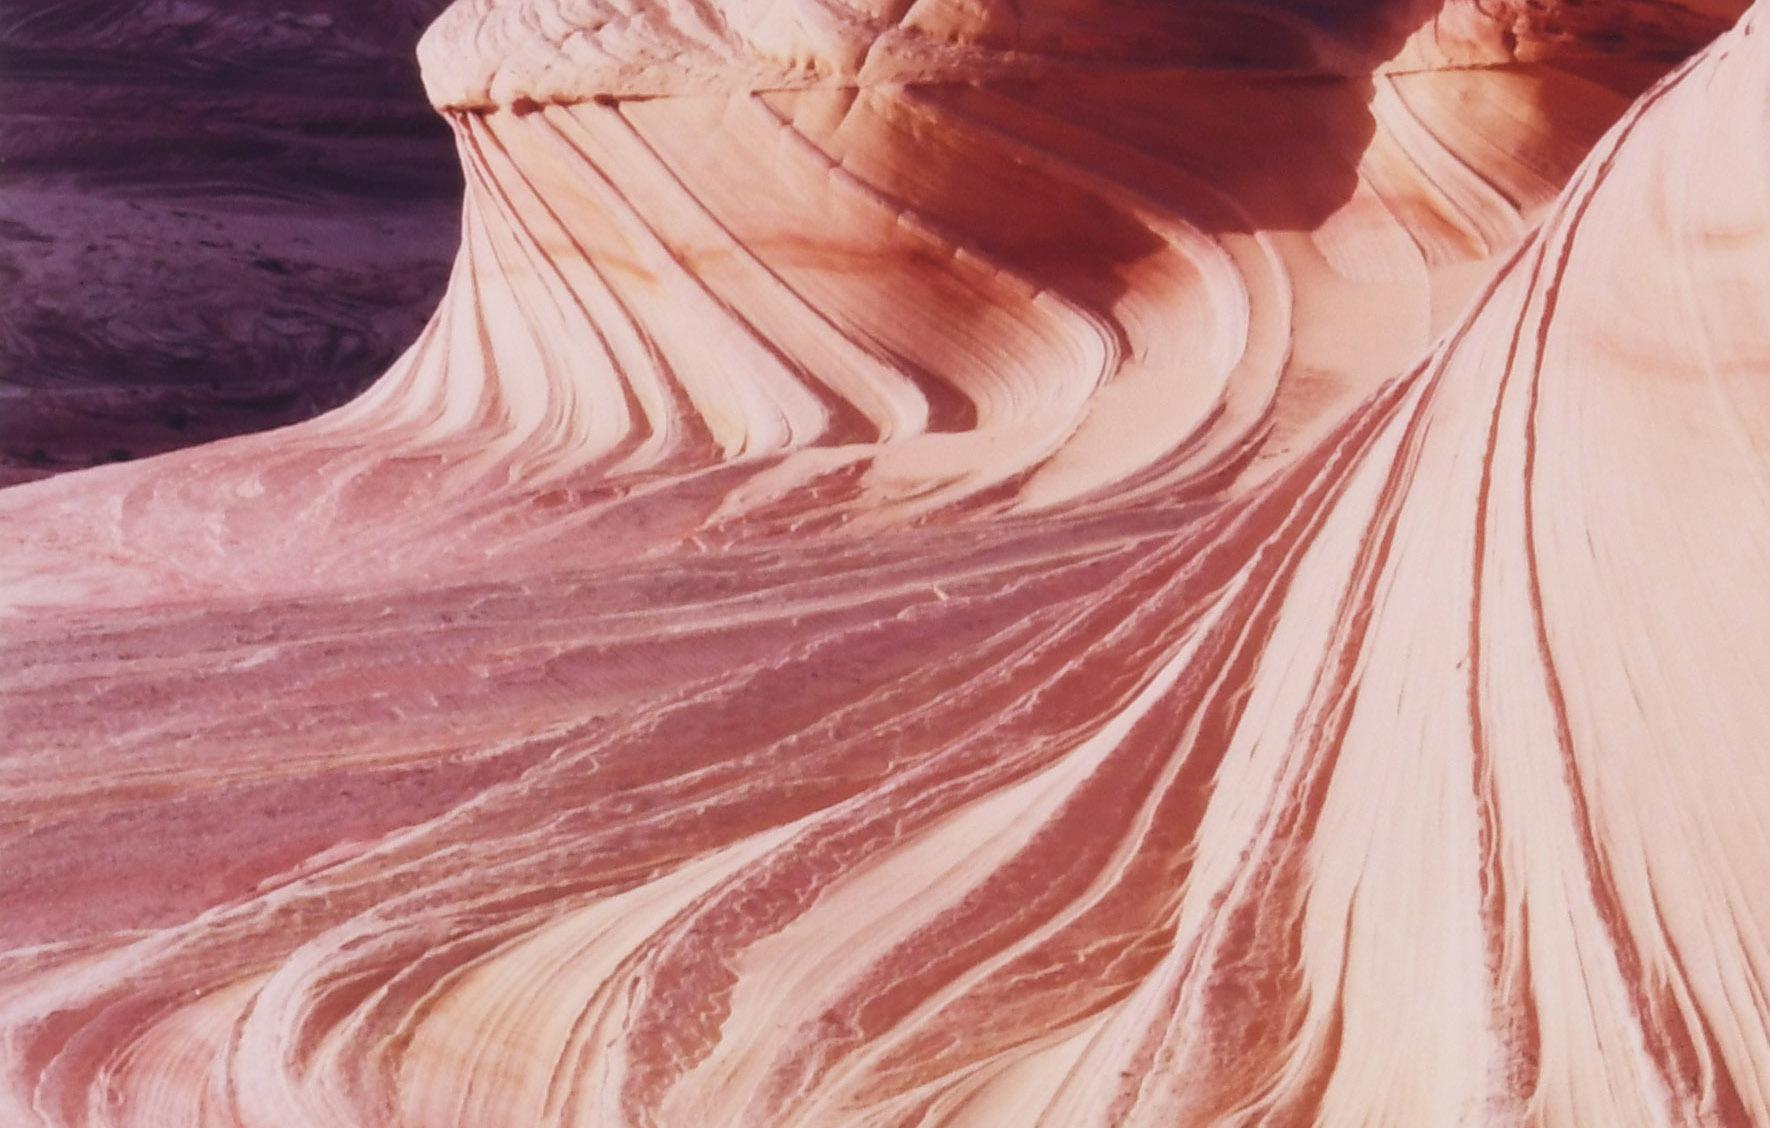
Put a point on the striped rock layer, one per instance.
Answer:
(965, 563)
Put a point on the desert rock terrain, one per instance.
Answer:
(969, 563)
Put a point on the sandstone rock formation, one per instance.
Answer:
(1070, 562)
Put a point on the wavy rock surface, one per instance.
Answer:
(1066, 563)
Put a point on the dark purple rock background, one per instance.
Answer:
(216, 216)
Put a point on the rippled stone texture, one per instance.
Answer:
(215, 216)
(1072, 563)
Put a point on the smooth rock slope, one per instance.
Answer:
(1078, 562)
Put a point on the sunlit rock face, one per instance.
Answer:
(1063, 563)
(215, 216)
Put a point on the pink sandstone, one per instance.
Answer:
(973, 563)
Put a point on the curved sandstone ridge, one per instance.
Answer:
(1080, 595)
(500, 53)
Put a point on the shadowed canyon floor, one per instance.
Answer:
(1070, 563)
(214, 218)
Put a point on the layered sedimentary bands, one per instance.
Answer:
(215, 216)
(1066, 563)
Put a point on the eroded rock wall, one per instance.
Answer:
(1101, 592)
